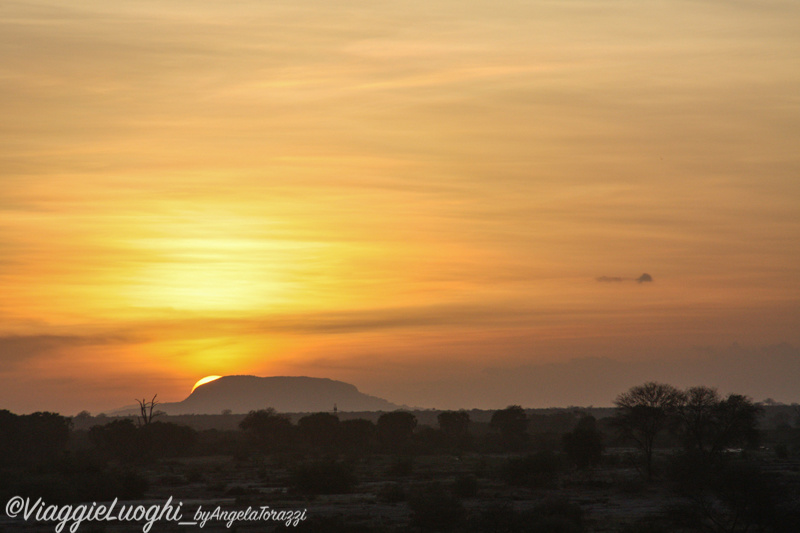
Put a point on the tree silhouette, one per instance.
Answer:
(643, 412)
(117, 440)
(146, 410)
(266, 429)
(712, 424)
(512, 423)
(319, 431)
(396, 429)
(32, 439)
(166, 439)
(584, 444)
(357, 435)
(454, 425)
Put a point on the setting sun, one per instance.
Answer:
(207, 379)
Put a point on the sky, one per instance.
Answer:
(446, 204)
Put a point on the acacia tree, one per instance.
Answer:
(696, 415)
(266, 429)
(645, 411)
(357, 435)
(319, 431)
(512, 423)
(711, 424)
(584, 444)
(396, 429)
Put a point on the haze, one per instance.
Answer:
(445, 204)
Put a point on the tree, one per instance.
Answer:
(146, 410)
(357, 435)
(166, 439)
(454, 425)
(118, 440)
(696, 416)
(711, 424)
(512, 423)
(36, 438)
(266, 429)
(584, 444)
(396, 429)
(44, 436)
(735, 423)
(319, 431)
(645, 411)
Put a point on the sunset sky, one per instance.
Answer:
(432, 200)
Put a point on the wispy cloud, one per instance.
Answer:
(17, 349)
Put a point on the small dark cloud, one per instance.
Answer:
(616, 279)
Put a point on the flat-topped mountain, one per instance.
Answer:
(287, 394)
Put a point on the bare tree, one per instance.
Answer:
(643, 412)
(146, 410)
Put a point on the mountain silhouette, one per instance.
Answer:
(286, 394)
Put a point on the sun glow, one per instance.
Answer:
(212, 273)
(207, 379)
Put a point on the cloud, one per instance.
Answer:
(16, 349)
(644, 278)
(345, 322)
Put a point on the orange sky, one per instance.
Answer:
(406, 196)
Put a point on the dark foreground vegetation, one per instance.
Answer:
(663, 460)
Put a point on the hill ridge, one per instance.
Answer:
(243, 393)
